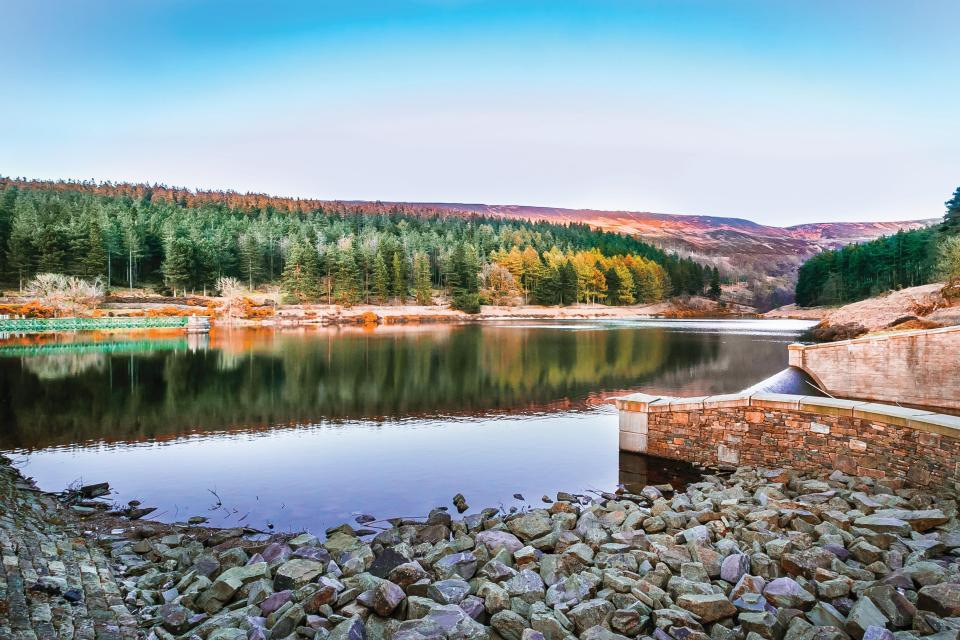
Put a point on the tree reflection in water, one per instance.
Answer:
(264, 379)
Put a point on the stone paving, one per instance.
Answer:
(54, 582)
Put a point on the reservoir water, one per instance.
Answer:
(306, 428)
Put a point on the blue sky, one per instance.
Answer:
(778, 111)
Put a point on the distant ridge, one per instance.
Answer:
(735, 242)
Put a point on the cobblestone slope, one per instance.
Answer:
(54, 582)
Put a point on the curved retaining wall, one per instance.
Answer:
(800, 432)
(909, 367)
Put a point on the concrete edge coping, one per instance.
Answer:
(636, 397)
(874, 338)
(727, 401)
(938, 423)
(888, 413)
(830, 406)
(918, 419)
(687, 404)
(660, 405)
(767, 400)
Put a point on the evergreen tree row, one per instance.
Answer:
(859, 271)
(333, 252)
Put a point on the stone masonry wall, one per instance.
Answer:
(920, 368)
(804, 441)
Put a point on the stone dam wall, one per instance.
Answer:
(920, 368)
(805, 433)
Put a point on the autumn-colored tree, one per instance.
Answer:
(499, 285)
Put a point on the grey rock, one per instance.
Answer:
(531, 525)
(287, 623)
(296, 573)
(450, 591)
(863, 615)
(175, 618)
(350, 629)
(709, 608)
(601, 633)
(508, 624)
(526, 585)
(590, 614)
(456, 565)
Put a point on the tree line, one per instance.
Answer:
(137, 235)
(859, 271)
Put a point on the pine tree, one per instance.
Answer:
(381, 279)
(951, 221)
(715, 290)
(178, 265)
(20, 248)
(462, 278)
(50, 249)
(399, 277)
(421, 279)
(346, 283)
(131, 229)
(8, 198)
(614, 285)
(300, 279)
(547, 289)
(251, 259)
(363, 278)
(567, 286)
(94, 264)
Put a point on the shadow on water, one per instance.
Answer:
(636, 472)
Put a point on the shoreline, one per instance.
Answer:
(772, 553)
(302, 315)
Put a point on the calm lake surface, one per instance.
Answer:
(305, 429)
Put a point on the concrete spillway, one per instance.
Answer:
(792, 380)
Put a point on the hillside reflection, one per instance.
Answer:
(81, 389)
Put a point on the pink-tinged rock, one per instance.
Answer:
(275, 601)
(493, 540)
(787, 592)
(734, 567)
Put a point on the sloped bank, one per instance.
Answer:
(757, 554)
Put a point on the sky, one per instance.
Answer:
(778, 111)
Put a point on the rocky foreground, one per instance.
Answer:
(757, 555)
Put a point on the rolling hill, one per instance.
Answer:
(734, 242)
